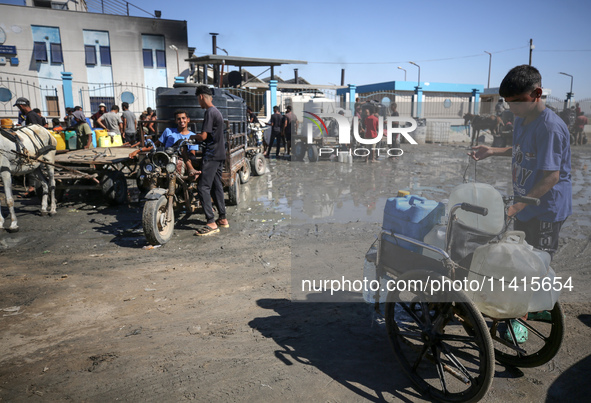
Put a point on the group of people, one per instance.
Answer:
(282, 127)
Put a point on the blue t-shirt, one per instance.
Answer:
(171, 136)
(542, 145)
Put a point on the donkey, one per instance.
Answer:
(22, 152)
(479, 123)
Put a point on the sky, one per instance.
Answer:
(370, 39)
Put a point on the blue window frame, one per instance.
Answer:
(148, 60)
(40, 52)
(160, 59)
(56, 53)
(105, 52)
(90, 54)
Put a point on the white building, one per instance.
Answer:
(111, 58)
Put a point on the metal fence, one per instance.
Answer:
(43, 97)
(139, 97)
(403, 99)
(445, 105)
(256, 100)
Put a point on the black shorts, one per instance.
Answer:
(540, 234)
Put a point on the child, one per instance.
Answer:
(541, 159)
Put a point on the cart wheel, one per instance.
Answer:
(114, 187)
(299, 151)
(443, 347)
(157, 229)
(543, 342)
(258, 164)
(234, 193)
(313, 153)
(584, 139)
(245, 173)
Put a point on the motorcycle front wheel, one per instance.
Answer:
(157, 229)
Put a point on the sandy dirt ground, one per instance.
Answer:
(88, 314)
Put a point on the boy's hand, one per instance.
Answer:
(481, 152)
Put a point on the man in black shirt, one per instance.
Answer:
(252, 117)
(214, 155)
(31, 117)
(275, 131)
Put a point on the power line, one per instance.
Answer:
(424, 60)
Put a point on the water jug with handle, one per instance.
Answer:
(483, 195)
(503, 271)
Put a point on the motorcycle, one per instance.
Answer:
(163, 176)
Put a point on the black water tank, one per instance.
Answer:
(182, 96)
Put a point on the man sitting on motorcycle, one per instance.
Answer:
(170, 136)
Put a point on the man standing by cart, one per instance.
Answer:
(214, 155)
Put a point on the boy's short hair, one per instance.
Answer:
(115, 108)
(125, 105)
(519, 80)
(179, 111)
(203, 90)
(55, 121)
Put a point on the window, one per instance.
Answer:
(148, 62)
(56, 53)
(90, 52)
(105, 52)
(40, 52)
(160, 59)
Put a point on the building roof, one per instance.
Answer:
(241, 61)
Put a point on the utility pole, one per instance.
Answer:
(531, 49)
(489, 63)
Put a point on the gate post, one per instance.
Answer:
(67, 88)
(273, 90)
(352, 88)
(419, 92)
(476, 95)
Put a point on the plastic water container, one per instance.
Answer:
(413, 216)
(111, 140)
(71, 141)
(544, 300)
(116, 140)
(482, 195)
(435, 237)
(510, 258)
(61, 140)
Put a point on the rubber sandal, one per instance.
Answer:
(520, 331)
(541, 316)
(206, 230)
(219, 224)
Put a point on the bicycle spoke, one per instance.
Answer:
(409, 335)
(418, 361)
(411, 313)
(440, 370)
(453, 337)
(450, 356)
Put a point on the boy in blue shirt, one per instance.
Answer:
(170, 136)
(540, 159)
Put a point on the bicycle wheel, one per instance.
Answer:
(443, 347)
(543, 342)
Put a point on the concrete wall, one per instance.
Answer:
(124, 37)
